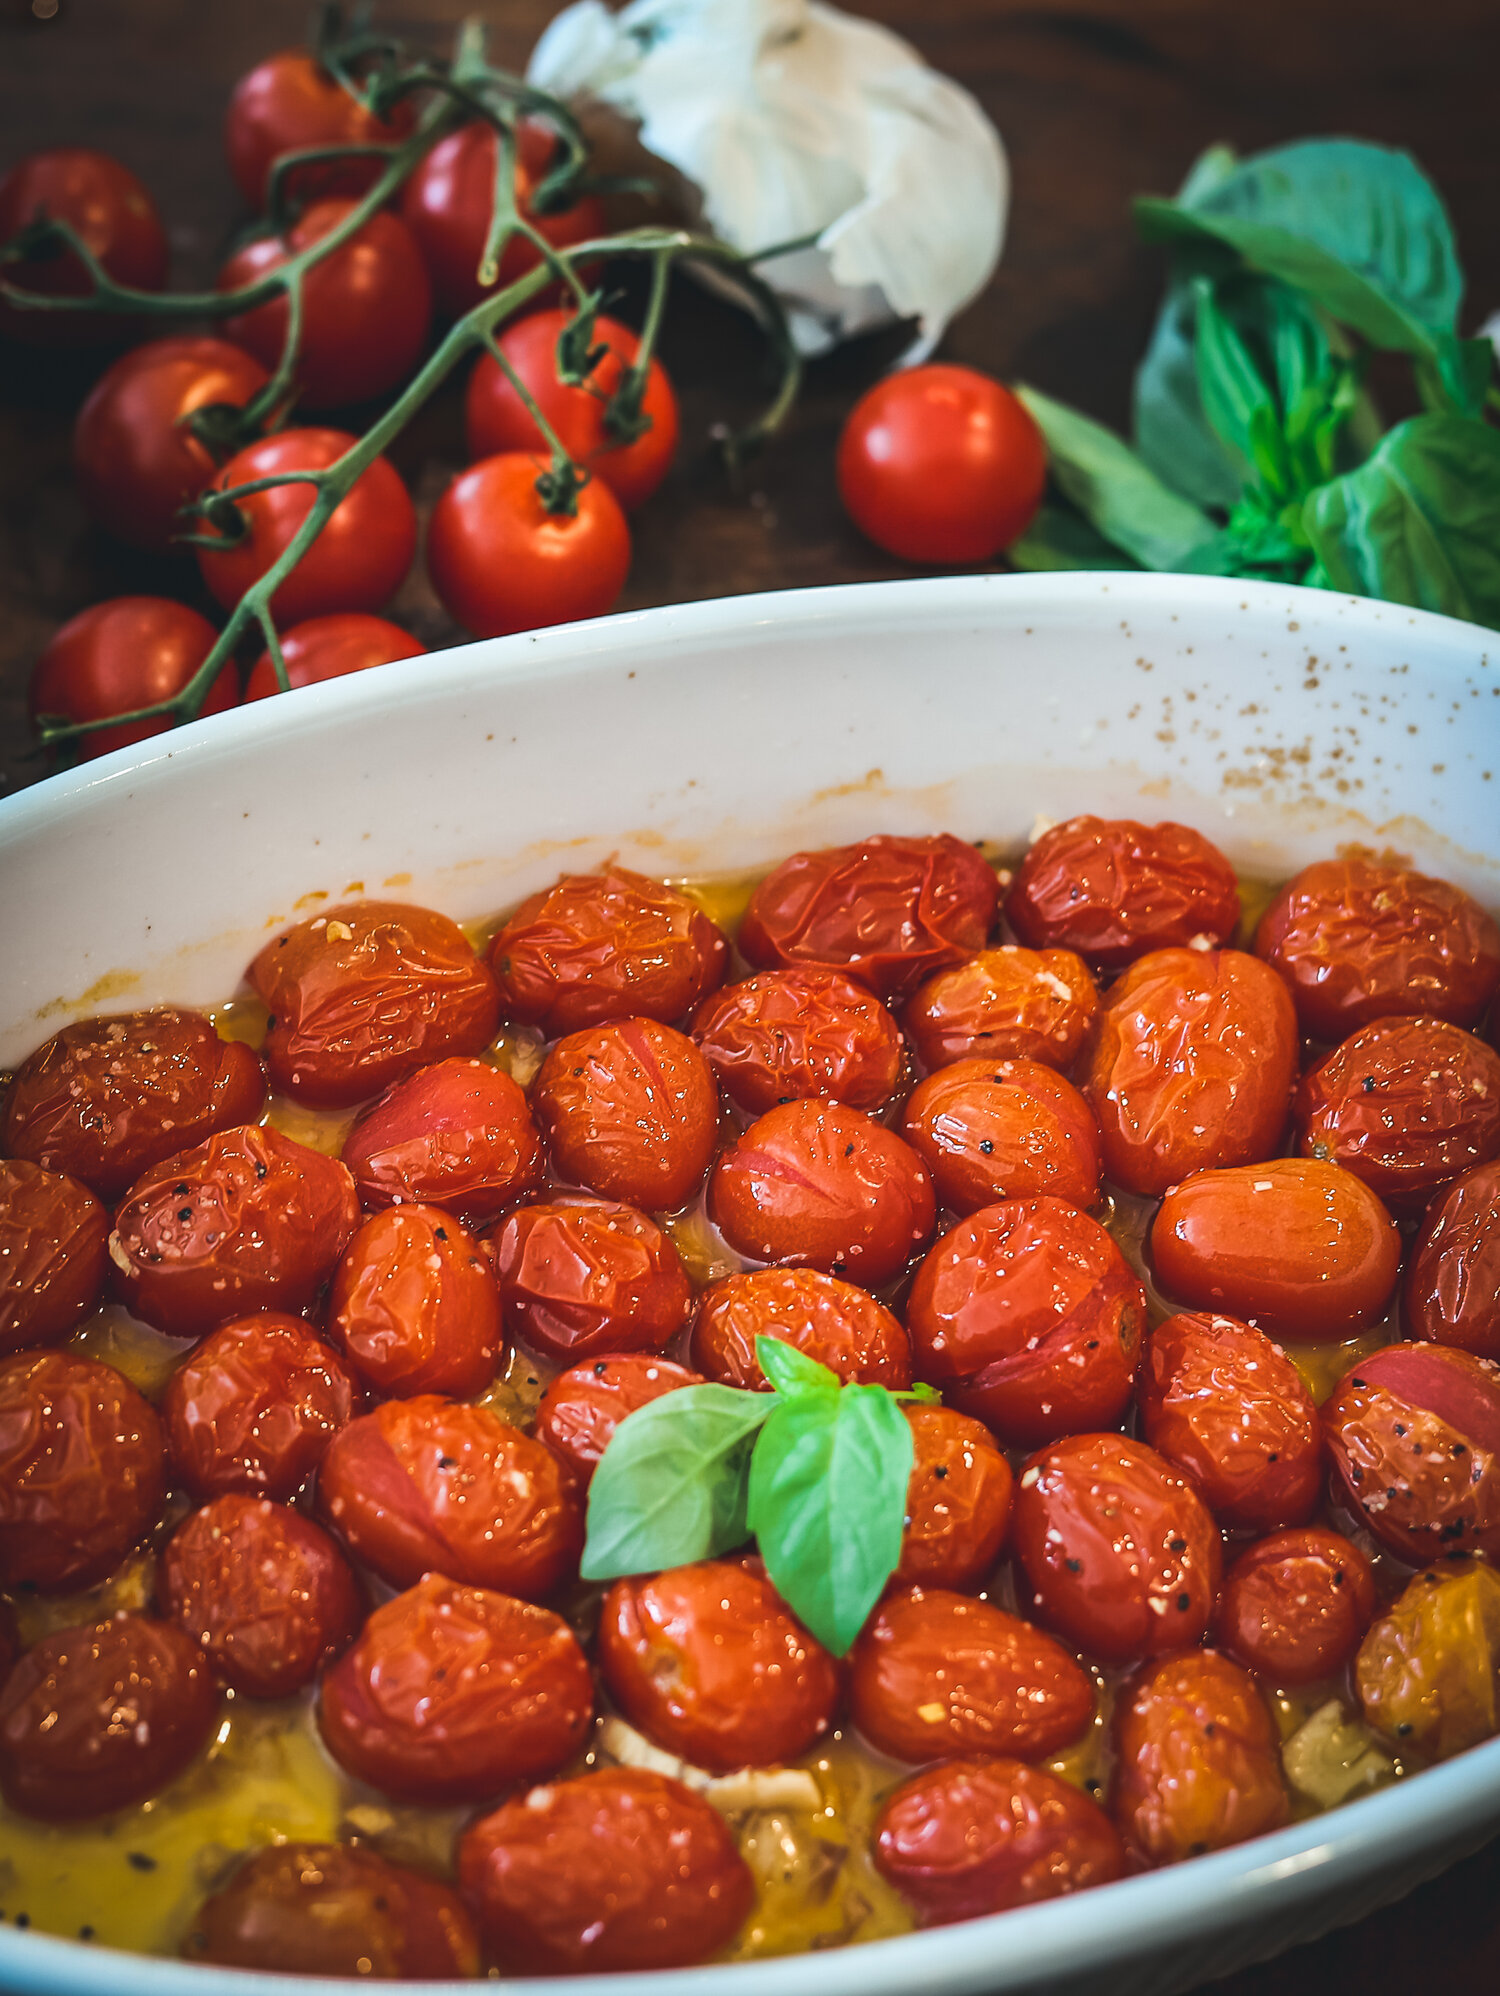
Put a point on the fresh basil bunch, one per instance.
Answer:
(1257, 451)
(816, 1471)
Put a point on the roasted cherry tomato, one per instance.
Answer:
(1029, 1316)
(583, 1406)
(712, 1665)
(247, 1221)
(335, 1909)
(116, 219)
(290, 103)
(1223, 1403)
(1199, 1762)
(82, 1474)
(328, 648)
(117, 656)
(981, 1835)
(1302, 1247)
(1005, 1004)
(453, 1693)
(496, 419)
(937, 1674)
(255, 1406)
(105, 1099)
(889, 911)
(580, 1279)
(1120, 1552)
(619, 1869)
(821, 1186)
(631, 1111)
(1452, 1290)
(53, 1254)
(365, 995)
(609, 945)
(957, 1501)
(1358, 942)
(787, 1034)
(1428, 1671)
(1003, 1129)
(834, 1322)
(457, 1134)
(430, 1485)
(413, 1305)
(1295, 1607)
(1112, 889)
(1191, 1066)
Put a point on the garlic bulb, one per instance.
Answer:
(795, 120)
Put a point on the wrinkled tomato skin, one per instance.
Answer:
(786, 1035)
(1452, 1290)
(413, 1305)
(255, 1406)
(981, 1835)
(111, 212)
(957, 1502)
(105, 1099)
(834, 1322)
(1112, 889)
(710, 1663)
(335, 1909)
(1224, 1404)
(1356, 942)
(1295, 1606)
(365, 995)
(330, 648)
(432, 1485)
(1301, 1247)
(53, 1254)
(1191, 1066)
(1028, 1316)
(583, 1406)
(95, 1718)
(121, 655)
(599, 946)
(457, 1134)
(936, 1674)
(290, 103)
(630, 1111)
(454, 1693)
(1005, 1004)
(888, 911)
(82, 1472)
(1426, 1673)
(247, 1221)
(578, 1280)
(816, 1185)
(1120, 1552)
(1008, 1129)
(619, 1869)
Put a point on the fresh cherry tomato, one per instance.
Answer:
(1426, 1673)
(1003, 1129)
(358, 559)
(129, 652)
(290, 103)
(936, 1674)
(430, 1485)
(631, 1111)
(710, 1663)
(114, 216)
(1301, 1247)
(619, 1869)
(1028, 1316)
(1357, 941)
(1452, 1291)
(365, 995)
(1295, 1607)
(454, 1693)
(583, 1406)
(501, 562)
(328, 648)
(496, 419)
(53, 1254)
(247, 1221)
(1191, 1066)
(457, 1134)
(255, 1406)
(413, 1305)
(889, 911)
(1005, 1004)
(105, 1099)
(787, 1034)
(1112, 889)
(957, 1501)
(366, 306)
(834, 1322)
(581, 1279)
(1223, 1403)
(1119, 1550)
(82, 1473)
(941, 464)
(981, 1835)
(609, 945)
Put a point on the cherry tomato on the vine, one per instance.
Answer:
(110, 210)
(290, 103)
(117, 656)
(328, 648)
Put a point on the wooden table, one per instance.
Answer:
(1097, 99)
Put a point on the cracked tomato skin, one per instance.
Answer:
(631, 1111)
(413, 1305)
(619, 1869)
(834, 1322)
(1452, 1290)
(1414, 1434)
(1427, 1673)
(957, 1501)
(887, 911)
(1003, 1129)
(786, 1035)
(581, 1278)
(247, 1221)
(53, 1254)
(1199, 1763)
(583, 1406)
(1006, 1003)
(82, 1471)
(1296, 1605)
(1028, 1316)
(1119, 1550)
(1112, 889)
(1356, 942)
(366, 995)
(457, 1134)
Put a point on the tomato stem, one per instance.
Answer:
(562, 482)
(624, 417)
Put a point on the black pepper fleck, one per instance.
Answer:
(138, 1860)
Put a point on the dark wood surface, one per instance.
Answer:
(1097, 100)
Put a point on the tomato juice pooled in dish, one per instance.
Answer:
(1173, 1236)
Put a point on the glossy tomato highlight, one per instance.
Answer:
(117, 656)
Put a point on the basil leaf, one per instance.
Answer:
(1235, 395)
(671, 1486)
(1059, 538)
(792, 1372)
(1172, 433)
